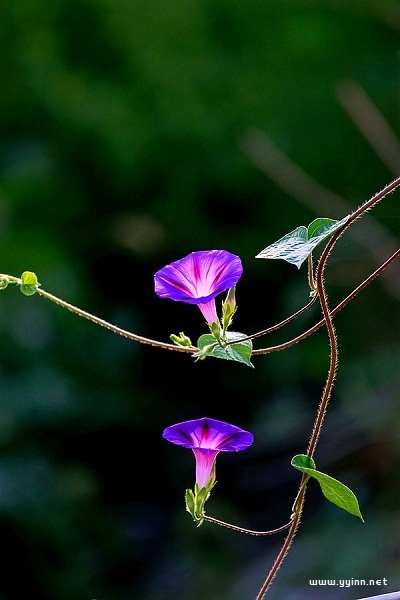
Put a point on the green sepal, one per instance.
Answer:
(240, 351)
(296, 246)
(333, 490)
(190, 503)
(201, 496)
(3, 283)
(29, 283)
(195, 501)
(215, 329)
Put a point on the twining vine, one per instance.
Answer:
(198, 279)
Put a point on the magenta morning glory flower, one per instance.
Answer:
(198, 278)
(207, 437)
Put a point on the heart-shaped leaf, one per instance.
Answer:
(296, 246)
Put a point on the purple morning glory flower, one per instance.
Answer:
(207, 437)
(198, 278)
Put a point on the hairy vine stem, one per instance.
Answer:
(333, 312)
(287, 541)
(316, 431)
(243, 530)
(329, 383)
(334, 354)
(113, 328)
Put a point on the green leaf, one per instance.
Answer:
(333, 490)
(296, 246)
(302, 461)
(29, 283)
(239, 352)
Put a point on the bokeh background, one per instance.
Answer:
(132, 133)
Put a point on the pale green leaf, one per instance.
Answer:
(296, 246)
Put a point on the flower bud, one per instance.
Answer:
(229, 308)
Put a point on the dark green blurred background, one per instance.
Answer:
(132, 133)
